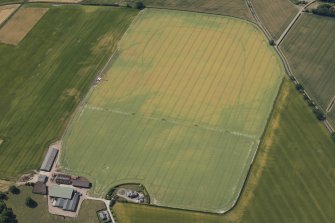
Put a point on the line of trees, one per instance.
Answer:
(6, 214)
(325, 10)
(331, 1)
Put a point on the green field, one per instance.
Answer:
(87, 213)
(236, 8)
(44, 77)
(310, 49)
(292, 180)
(276, 15)
(181, 110)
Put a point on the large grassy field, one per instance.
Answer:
(276, 15)
(292, 179)
(87, 213)
(310, 49)
(181, 110)
(236, 8)
(43, 78)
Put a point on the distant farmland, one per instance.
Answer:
(181, 110)
(310, 49)
(44, 77)
(236, 8)
(275, 14)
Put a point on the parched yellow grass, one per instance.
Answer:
(20, 25)
(210, 71)
(6, 11)
(4, 185)
(1, 141)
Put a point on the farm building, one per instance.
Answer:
(81, 182)
(104, 216)
(57, 191)
(68, 204)
(40, 188)
(42, 178)
(49, 159)
(63, 179)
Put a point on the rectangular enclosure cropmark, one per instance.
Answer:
(181, 110)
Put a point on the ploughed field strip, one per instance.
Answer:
(6, 11)
(44, 77)
(310, 49)
(181, 110)
(276, 15)
(20, 25)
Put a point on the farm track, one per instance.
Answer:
(288, 69)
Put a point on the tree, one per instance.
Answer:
(139, 5)
(319, 114)
(30, 202)
(14, 190)
(333, 136)
(6, 214)
(3, 196)
(272, 42)
(299, 87)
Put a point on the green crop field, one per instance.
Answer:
(43, 78)
(276, 15)
(236, 8)
(181, 110)
(292, 179)
(310, 49)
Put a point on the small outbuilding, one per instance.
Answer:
(40, 188)
(63, 179)
(81, 182)
(42, 178)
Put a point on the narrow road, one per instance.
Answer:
(331, 105)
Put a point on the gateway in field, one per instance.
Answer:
(181, 110)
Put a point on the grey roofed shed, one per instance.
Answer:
(49, 159)
(42, 178)
(71, 205)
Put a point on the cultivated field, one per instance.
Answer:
(44, 77)
(6, 11)
(181, 110)
(292, 179)
(236, 8)
(310, 49)
(276, 15)
(20, 25)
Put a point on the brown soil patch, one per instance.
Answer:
(6, 11)
(20, 25)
